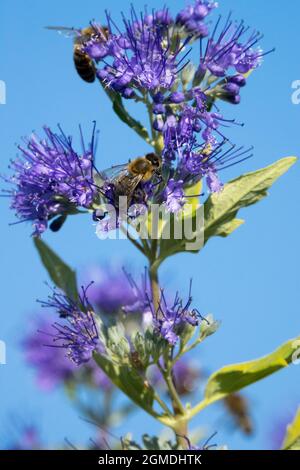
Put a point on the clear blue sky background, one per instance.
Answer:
(249, 281)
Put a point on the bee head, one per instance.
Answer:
(154, 160)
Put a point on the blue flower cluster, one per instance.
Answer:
(147, 59)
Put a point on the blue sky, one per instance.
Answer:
(249, 281)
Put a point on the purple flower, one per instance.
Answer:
(213, 182)
(110, 290)
(144, 56)
(168, 318)
(174, 196)
(140, 303)
(51, 178)
(176, 97)
(191, 162)
(79, 334)
(51, 364)
(191, 17)
(230, 50)
(184, 126)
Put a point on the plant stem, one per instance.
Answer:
(181, 431)
(162, 404)
(180, 423)
(177, 405)
(153, 273)
(201, 406)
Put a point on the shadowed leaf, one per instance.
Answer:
(60, 273)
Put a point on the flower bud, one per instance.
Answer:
(200, 12)
(128, 93)
(158, 97)
(176, 97)
(231, 88)
(233, 99)
(239, 80)
(159, 109)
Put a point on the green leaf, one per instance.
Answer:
(123, 114)
(220, 209)
(129, 381)
(292, 438)
(60, 273)
(233, 378)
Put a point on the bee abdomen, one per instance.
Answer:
(84, 66)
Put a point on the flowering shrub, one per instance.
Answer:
(147, 59)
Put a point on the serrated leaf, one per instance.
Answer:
(233, 378)
(60, 273)
(292, 437)
(124, 115)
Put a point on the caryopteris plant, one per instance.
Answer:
(169, 201)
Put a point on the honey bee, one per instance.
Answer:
(84, 65)
(127, 179)
(238, 407)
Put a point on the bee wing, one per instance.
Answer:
(65, 31)
(114, 172)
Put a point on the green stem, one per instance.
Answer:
(177, 405)
(200, 407)
(181, 431)
(180, 422)
(154, 287)
(187, 349)
(163, 405)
